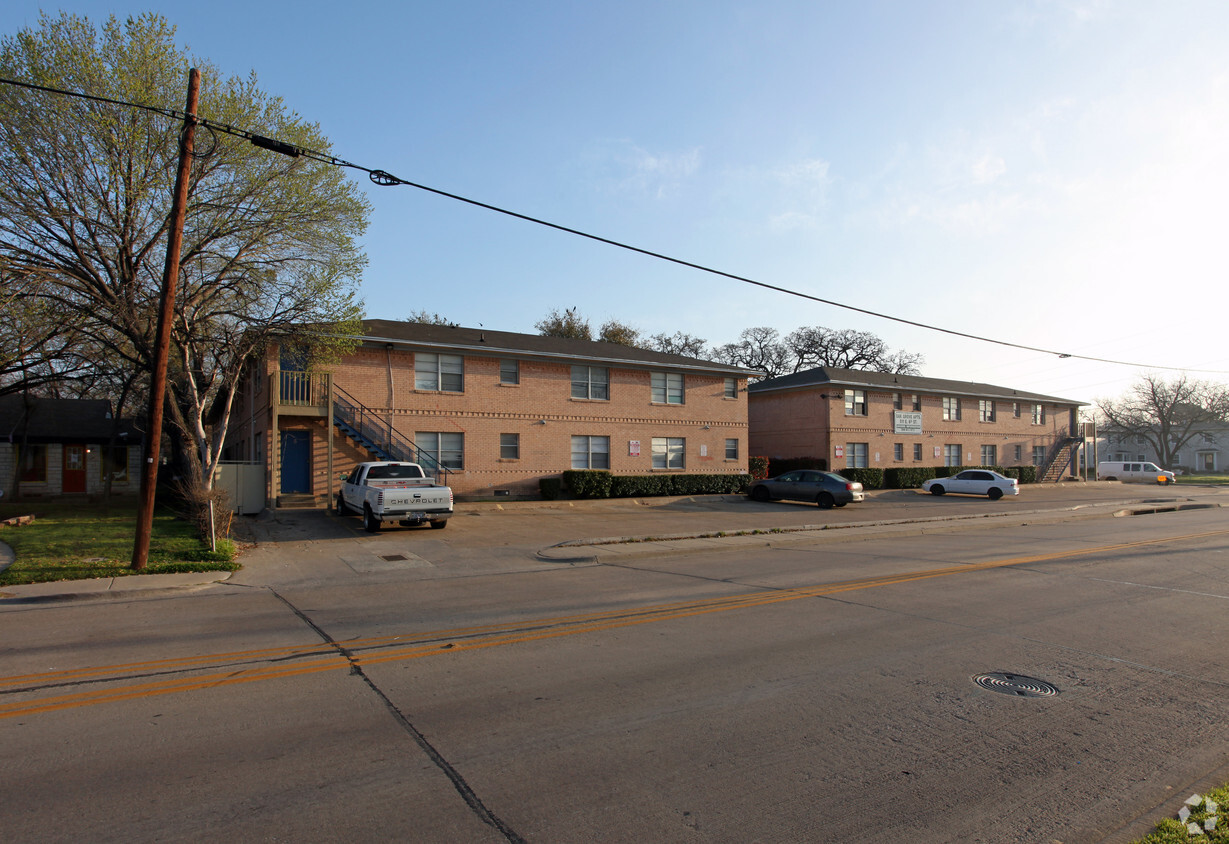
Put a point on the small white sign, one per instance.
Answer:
(633, 448)
(704, 451)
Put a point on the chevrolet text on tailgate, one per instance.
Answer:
(394, 492)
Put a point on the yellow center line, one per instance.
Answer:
(300, 660)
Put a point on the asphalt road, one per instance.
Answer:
(816, 685)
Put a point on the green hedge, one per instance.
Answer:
(758, 467)
(598, 484)
(870, 478)
(908, 477)
(551, 488)
(781, 465)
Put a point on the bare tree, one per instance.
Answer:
(757, 348)
(269, 241)
(813, 346)
(424, 317)
(1166, 414)
(679, 343)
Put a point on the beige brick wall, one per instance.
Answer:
(539, 409)
(799, 423)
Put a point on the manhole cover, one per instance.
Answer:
(1015, 684)
(393, 558)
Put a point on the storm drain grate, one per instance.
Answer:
(1015, 684)
(393, 558)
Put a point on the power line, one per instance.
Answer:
(386, 179)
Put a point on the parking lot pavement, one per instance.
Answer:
(308, 543)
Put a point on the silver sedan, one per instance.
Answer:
(974, 482)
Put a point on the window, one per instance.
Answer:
(1039, 414)
(1015, 409)
(445, 448)
(951, 411)
(32, 460)
(989, 455)
(591, 382)
(898, 402)
(1019, 453)
(731, 388)
(731, 449)
(898, 451)
(509, 446)
(509, 371)
(667, 387)
(953, 455)
(1039, 455)
(668, 452)
(985, 410)
(855, 402)
(917, 451)
(115, 462)
(590, 452)
(439, 372)
(855, 455)
(917, 403)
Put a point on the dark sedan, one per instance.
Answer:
(827, 489)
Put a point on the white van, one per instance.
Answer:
(1134, 472)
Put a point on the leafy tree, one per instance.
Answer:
(845, 348)
(568, 324)
(679, 343)
(620, 333)
(424, 318)
(269, 241)
(1167, 414)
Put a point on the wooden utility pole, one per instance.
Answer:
(162, 341)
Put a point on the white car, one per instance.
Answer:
(974, 482)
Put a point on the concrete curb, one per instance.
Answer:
(106, 588)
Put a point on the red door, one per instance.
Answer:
(74, 469)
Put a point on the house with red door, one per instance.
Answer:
(63, 447)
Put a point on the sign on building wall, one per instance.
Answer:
(907, 421)
(633, 448)
(838, 450)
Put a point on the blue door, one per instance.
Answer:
(296, 462)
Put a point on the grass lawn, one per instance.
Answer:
(74, 541)
(1203, 479)
(1173, 831)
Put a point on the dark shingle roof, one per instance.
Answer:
(497, 343)
(60, 421)
(830, 375)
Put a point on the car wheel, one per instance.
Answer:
(440, 524)
(937, 489)
(825, 501)
(760, 493)
(994, 493)
(370, 522)
(1109, 479)
(342, 509)
(841, 503)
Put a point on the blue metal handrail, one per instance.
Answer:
(379, 436)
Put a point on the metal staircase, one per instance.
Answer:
(374, 433)
(1060, 459)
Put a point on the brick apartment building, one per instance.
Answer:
(855, 418)
(489, 412)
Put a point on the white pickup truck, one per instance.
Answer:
(394, 492)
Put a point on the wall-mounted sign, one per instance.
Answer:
(907, 421)
(633, 448)
(838, 450)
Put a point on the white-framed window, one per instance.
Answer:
(898, 402)
(953, 455)
(509, 371)
(509, 446)
(951, 412)
(1039, 455)
(1015, 409)
(590, 452)
(668, 452)
(446, 448)
(667, 387)
(591, 382)
(731, 448)
(1039, 414)
(445, 373)
(855, 402)
(1019, 453)
(917, 403)
(917, 451)
(985, 410)
(989, 455)
(856, 455)
(731, 388)
(898, 451)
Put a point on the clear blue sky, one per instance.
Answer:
(1048, 173)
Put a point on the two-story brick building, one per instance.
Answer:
(491, 412)
(855, 418)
